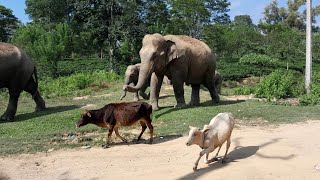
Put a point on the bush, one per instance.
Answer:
(258, 59)
(280, 84)
(314, 97)
(71, 85)
(244, 90)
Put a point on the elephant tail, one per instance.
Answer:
(35, 75)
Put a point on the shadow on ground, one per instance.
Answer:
(48, 111)
(156, 140)
(239, 152)
(204, 104)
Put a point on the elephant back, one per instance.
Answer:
(14, 62)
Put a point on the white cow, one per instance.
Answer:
(212, 136)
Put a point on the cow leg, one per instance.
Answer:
(205, 151)
(227, 148)
(118, 135)
(148, 122)
(206, 159)
(144, 127)
(214, 158)
(109, 138)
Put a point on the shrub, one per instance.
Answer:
(258, 59)
(280, 84)
(314, 97)
(244, 90)
(71, 85)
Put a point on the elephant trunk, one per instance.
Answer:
(145, 72)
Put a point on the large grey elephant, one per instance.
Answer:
(183, 60)
(131, 78)
(16, 70)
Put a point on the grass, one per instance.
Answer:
(39, 131)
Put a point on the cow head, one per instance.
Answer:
(194, 136)
(86, 118)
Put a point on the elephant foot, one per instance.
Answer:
(155, 107)
(180, 105)
(216, 101)
(193, 103)
(41, 105)
(40, 108)
(7, 117)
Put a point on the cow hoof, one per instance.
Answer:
(105, 146)
(194, 168)
(223, 161)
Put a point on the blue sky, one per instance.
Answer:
(254, 8)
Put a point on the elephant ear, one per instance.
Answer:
(172, 50)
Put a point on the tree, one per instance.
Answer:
(191, 16)
(156, 16)
(45, 47)
(219, 9)
(244, 20)
(275, 16)
(49, 11)
(285, 43)
(8, 23)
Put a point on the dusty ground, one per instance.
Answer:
(259, 152)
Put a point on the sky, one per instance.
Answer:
(254, 8)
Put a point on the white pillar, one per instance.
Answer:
(308, 48)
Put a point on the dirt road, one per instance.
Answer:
(285, 152)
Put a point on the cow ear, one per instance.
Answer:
(205, 129)
(88, 114)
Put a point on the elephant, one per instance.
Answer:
(131, 77)
(16, 74)
(182, 59)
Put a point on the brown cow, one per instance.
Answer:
(113, 115)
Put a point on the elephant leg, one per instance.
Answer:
(179, 93)
(195, 99)
(31, 88)
(155, 86)
(142, 92)
(212, 88)
(12, 105)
